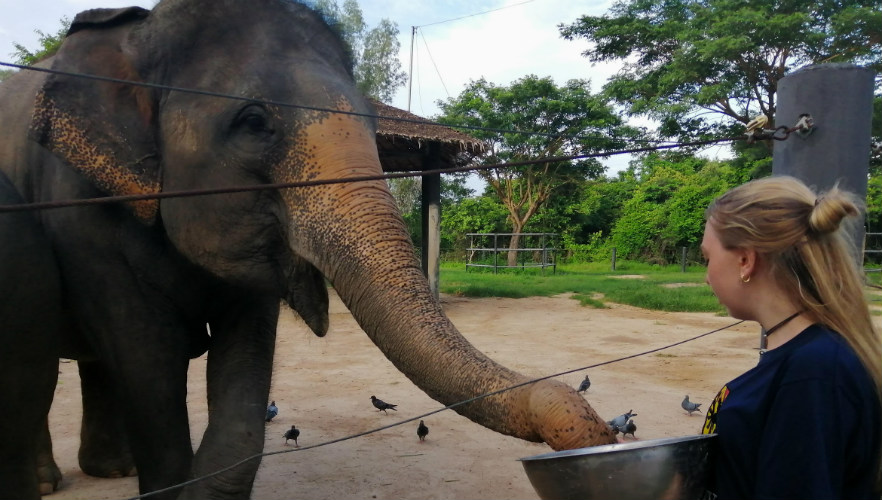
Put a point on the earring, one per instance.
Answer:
(745, 280)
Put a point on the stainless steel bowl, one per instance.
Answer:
(666, 468)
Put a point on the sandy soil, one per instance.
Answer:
(324, 387)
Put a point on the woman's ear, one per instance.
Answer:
(747, 261)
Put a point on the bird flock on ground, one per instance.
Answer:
(272, 411)
(623, 423)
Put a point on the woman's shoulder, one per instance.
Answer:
(819, 352)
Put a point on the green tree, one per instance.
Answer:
(705, 67)
(49, 44)
(481, 214)
(534, 119)
(666, 211)
(378, 70)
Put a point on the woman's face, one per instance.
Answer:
(724, 272)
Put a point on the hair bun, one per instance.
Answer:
(829, 211)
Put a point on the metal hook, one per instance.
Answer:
(805, 125)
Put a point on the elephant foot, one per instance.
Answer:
(108, 462)
(49, 476)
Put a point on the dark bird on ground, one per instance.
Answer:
(422, 431)
(621, 420)
(585, 384)
(689, 406)
(629, 428)
(271, 411)
(292, 433)
(382, 405)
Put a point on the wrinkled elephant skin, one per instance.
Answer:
(148, 285)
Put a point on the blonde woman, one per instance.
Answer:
(806, 421)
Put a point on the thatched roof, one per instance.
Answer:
(405, 144)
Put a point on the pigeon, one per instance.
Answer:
(382, 405)
(422, 431)
(628, 428)
(271, 411)
(292, 433)
(585, 384)
(689, 406)
(621, 420)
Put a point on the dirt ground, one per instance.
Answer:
(324, 387)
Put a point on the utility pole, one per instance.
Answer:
(413, 30)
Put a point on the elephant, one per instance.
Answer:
(226, 94)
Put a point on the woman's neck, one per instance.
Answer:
(787, 331)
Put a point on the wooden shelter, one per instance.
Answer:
(409, 143)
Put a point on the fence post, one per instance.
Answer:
(683, 259)
(495, 254)
(614, 258)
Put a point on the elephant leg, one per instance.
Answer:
(30, 384)
(48, 473)
(146, 358)
(104, 445)
(239, 375)
(151, 386)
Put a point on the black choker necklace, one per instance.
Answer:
(783, 322)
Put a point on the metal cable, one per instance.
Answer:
(424, 415)
(286, 185)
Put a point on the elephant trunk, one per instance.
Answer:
(354, 234)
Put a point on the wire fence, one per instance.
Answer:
(543, 253)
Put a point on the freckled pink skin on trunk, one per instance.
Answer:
(354, 234)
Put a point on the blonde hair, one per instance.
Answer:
(799, 234)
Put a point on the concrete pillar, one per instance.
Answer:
(839, 97)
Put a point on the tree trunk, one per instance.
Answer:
(513, 246)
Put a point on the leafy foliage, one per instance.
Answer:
(689, 63)
(534, 119)
(666, 211)
(49, 44)
(377, 70)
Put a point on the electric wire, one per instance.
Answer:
(424, 415)
(233, 189)
(320, 182)
(434, 65)
(473, 15)
(420, 121)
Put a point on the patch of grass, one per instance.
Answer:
(586, 280)
(587, 300)
(632, 283)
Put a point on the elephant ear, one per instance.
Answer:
(308, 295)
(105, 130)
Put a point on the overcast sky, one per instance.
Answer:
(456, 41)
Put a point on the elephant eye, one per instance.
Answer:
(254, 120)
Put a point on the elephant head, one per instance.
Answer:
(295, 115)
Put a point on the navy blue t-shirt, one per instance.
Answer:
(803, 424)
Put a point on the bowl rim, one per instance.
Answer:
(607, 448)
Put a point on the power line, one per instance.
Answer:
(473, 15)
(321, 182)
(434, 65)
(413, 35)
(209, 93)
